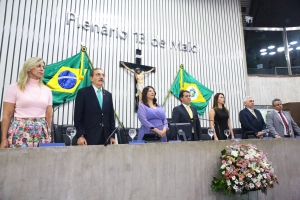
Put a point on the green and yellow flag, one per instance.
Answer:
(66, 77)
(200, 95)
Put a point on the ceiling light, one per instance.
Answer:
(271, 47)
(280, 49)
(272, 53)
(263, 50)
(264, 53)
(294, 42)
(298, 48)
(290, 49)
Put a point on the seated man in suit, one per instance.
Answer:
(251, 120)
(94, 112)
(184, 113)
(280, 123)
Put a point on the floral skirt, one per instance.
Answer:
(28, 132)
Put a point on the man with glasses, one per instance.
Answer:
(251, 120)
(94, 112)
(280, 123)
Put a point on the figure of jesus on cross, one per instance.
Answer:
(139, 72)
(139, 76)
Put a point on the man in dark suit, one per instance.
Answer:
(184, 113)
(280, 123)
(94, 113)
(251, 120)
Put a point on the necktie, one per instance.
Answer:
(254, 113)
(285, 123)
(99, 96)
(190, 111)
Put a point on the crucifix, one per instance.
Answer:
(139, 71)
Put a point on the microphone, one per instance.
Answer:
(106, 142)
(211, 121)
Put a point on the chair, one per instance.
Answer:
(238, 133)
(204, 136)
(60, 135)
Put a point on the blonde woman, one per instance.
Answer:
(27, 108)
(220, 114)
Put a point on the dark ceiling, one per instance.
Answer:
(275, 13)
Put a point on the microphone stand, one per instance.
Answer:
(54, 129)
(106, 142)
(215, 123)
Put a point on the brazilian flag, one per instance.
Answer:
(66, 77)
(200, 95)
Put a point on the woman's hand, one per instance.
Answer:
(4, 144)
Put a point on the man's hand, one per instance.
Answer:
(81, 141)
(4, 144)
(277, 136)
(260, 134)
(112, 141)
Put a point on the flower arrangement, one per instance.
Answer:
(244, 168)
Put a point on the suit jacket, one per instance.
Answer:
(181, 115)
(89, 117)
(250, 123)
(276, 126)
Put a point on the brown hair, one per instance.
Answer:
(215, 104)
(144, 96)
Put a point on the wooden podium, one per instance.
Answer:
(294, 109)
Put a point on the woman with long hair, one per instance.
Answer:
(27, 108)
(220, 114)
(152, 115)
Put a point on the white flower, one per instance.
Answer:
(258, 184)
(241, 183)
(254, 180)
(259, 176)
(228, 182)
(223, 172)
(247, 157)
(223, 166)
(236, 182)
(265, 175)
(234, 153)
(233, 178)
(227, 168)
(271, 182)
(251, 185)
(249, 175)
(235, 187)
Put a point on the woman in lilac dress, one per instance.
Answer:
(152, 115)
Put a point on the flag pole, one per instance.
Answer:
(83, 49)
(169, 91)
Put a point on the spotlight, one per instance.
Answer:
(263, 50)
(264, 53)
(272, 53)
(294, 42)
(280, 49)
(271, 47)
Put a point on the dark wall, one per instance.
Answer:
(275, 13)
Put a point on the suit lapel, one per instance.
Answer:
(185, 111)
(278, 117)
(250, 113)
(94, 98)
